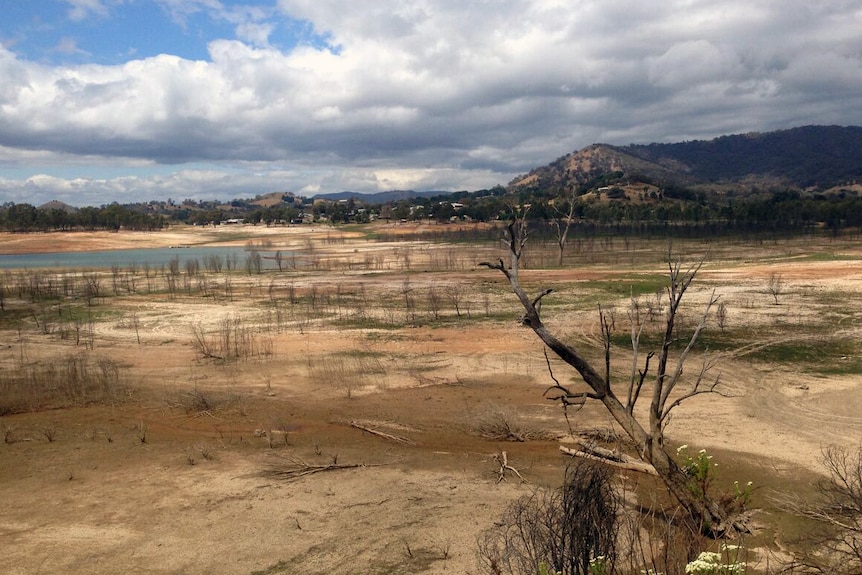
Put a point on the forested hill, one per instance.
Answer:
(809, 157)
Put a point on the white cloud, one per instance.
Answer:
(254, 33)
(210, 184)
(180, 10)
(69, 46)
(81, 9)
(438, 93)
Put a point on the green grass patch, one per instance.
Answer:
(588, 295)
(366, 322)
(86, 314)
(829, 257)
(826, 356)
(12, 317)
(811, 350)
(630, 286)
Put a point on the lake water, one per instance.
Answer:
(155, 257)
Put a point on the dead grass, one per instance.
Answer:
(66, 381)
(504, 423)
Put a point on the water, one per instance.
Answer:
(155, 257)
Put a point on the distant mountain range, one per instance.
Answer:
(805, 158)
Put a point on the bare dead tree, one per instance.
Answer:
(434, 302)
(775, 285)
(455, 293)
(721, 315)
(563, 221)
(662, 381)
(409, 301)
(92, 287)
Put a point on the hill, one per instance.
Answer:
(58, 205)
(805, 158)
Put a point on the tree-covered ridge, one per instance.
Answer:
(819, 157)
(26, 218)
(807, 158)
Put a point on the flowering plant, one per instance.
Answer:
(711, 563)
(699, 468)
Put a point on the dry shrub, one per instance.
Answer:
(588, 526)
(565, 529)
(347, 371)
(836, 510)
(64, 382)
(498, 423)
(658, 540)
(233, 339)
(203, 401)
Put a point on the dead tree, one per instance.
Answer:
(663, 382)
(563, 222)
(775, 286)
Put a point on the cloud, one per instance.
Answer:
(69, 46)
(82, 9)
(219, 184)
(437, 93)
(181, 10)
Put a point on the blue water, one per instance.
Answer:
(155, 257)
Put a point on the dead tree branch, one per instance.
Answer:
(384, 435)
(297, 468)
(612, 458)
(503, 459)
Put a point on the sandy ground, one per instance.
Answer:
(161, 484)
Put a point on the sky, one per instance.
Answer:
(137, 100)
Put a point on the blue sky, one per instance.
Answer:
(129, 100)
(59, 32)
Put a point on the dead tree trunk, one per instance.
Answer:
(563, 223)
(649, 438)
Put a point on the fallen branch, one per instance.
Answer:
(298, 469)
(378, 433)
(608, 457)
(503, 459)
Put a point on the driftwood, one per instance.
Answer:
(378, 433)
(503, 459)
(609, 457)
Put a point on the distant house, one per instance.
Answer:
(233, 221)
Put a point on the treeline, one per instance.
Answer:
(780, 212)
(656, 208)
(28, 218)
(788, 211)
